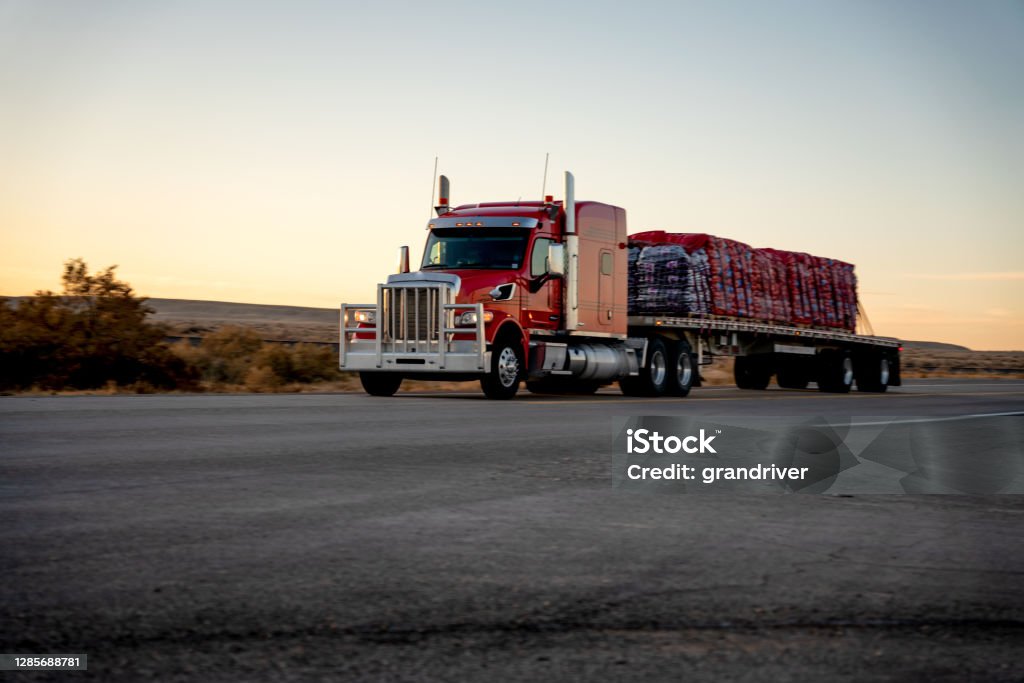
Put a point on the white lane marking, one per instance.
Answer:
(962, 384)
(932, 419)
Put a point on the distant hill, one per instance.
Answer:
(226, 311)
(933, 346)
(187, 318)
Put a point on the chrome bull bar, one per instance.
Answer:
(414, 329)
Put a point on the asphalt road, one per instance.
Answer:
(446, 537)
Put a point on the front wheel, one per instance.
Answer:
(380, 383)
(502, 382)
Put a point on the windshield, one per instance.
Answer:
(475, 248)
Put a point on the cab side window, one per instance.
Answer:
(435, 253)
(539, 260)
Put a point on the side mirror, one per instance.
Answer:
(556, 259)
(403, 259)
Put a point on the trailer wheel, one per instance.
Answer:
(682, 371)
(793, 373)
(380, 383)
(873, 374)
(653, 379)
(502, 381)
(835, 371)
(751, 372)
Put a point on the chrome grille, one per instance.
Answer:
(411, 314)
(412, 328)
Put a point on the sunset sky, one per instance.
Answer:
(281, 152)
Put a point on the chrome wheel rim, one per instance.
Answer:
(508, 367)
(684, 370)
(658, 369)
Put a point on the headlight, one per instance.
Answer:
(468, 319)
(366, 317)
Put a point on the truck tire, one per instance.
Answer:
(380, 383)
(793, 373)
(835, 371)
(752, 372)
(873, 373)
(653, 379)
(682, 370)
(502, 381)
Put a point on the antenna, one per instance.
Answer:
(433, 180)
(544, 185)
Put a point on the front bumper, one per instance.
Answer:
(414, 332)
(462, 357)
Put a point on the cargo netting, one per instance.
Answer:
(696, 273)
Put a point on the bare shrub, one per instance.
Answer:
(237, 357)
(224, 357)
(95, 332)
(262, 378)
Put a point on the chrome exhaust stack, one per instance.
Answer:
(443, 193)
(572, 253)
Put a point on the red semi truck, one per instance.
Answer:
(537, 291)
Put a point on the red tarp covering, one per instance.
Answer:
(724, 277)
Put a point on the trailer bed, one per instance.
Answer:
(710, 323)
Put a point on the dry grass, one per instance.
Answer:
(719, 373)
(953, 363)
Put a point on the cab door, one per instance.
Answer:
(541, 308)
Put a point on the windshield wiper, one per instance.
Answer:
(435, 265)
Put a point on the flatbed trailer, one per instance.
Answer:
(795, 355)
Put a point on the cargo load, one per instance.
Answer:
(700, 274)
